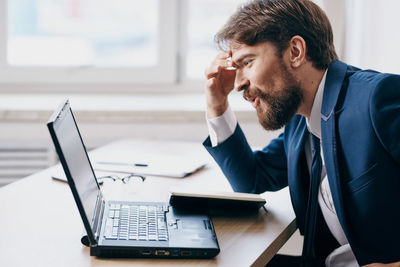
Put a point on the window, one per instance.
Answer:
(372, 34)
(365, 32)
(205, 18)
(126, 42)
(98, 33)
(88, 41)
(156, 43)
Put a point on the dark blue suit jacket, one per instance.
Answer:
(360, 127)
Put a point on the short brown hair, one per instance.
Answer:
(277, 21)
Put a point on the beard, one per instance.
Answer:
(276, 109)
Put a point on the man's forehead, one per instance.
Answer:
(235, 47)
(238, 49)
(241, 51)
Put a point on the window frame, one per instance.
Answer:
(165, 72)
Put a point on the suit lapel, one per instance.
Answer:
(334, 80)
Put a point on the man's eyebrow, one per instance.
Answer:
(241, 58)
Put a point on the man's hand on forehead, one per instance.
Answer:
(222, 62)
(229, 63)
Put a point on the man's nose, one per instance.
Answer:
(241, 83)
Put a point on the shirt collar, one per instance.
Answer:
(314, 123)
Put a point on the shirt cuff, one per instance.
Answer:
(222, 127)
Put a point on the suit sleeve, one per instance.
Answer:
(248, 171)
(385, 114)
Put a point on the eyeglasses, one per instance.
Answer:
(124, 179)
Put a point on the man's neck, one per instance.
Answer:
(310, 78)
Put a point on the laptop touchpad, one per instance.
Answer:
(188, 224)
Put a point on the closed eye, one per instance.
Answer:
(247, 62)
(243, 60)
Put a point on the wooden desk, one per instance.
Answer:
(40, 224)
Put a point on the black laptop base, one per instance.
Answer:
(145, 252)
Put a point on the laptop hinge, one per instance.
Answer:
(98, 217)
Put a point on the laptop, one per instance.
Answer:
(122, 228)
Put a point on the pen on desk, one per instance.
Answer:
(122, 163)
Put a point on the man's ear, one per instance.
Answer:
(297, 51)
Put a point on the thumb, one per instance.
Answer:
(211, 83)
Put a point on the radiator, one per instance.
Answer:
(20, 160)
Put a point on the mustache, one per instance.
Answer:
(247, 94)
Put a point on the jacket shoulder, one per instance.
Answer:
(384, 109)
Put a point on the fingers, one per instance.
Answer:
(211, 82)
(219, 84)
(229, 64)
(220, 63)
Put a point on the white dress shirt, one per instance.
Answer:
(222, 127)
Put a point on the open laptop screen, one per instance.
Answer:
(75, 157)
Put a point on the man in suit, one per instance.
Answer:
(339, 152)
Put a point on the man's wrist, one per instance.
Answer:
(216, 111)
(222, 127)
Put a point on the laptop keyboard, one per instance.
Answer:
(136, 222)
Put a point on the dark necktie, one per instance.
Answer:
(312, 205)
